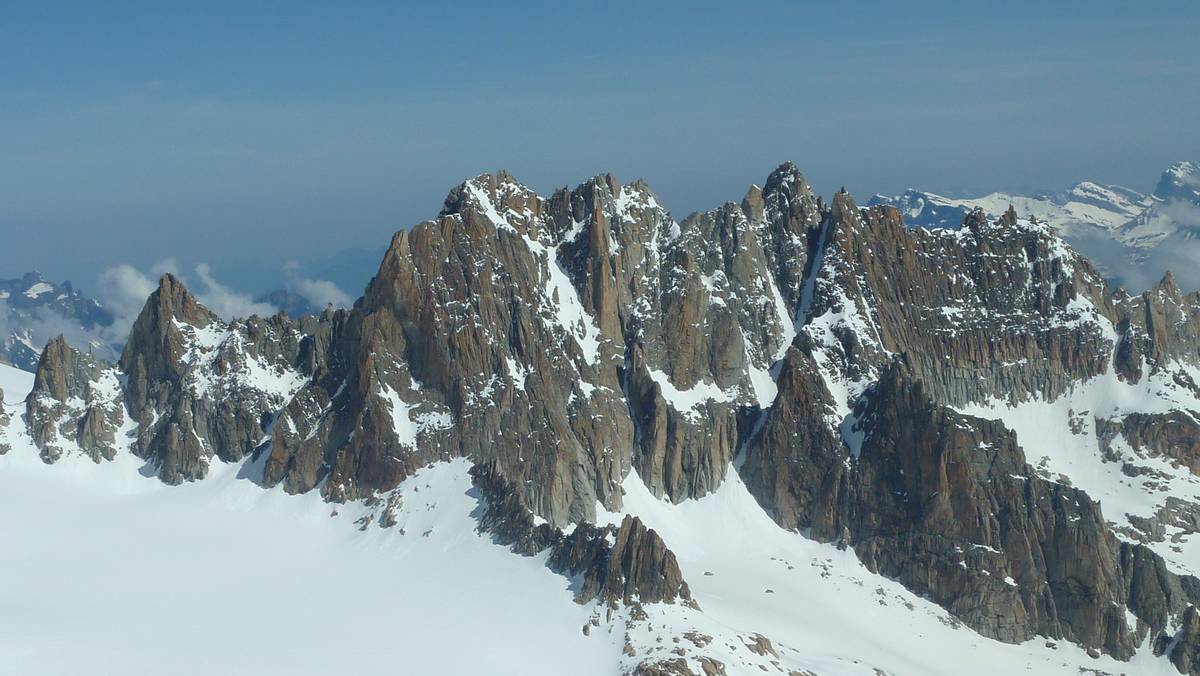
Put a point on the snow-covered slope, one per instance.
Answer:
(824, 611)
(220, 576)
(15, 383)
(121, 574)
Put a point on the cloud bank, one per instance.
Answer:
(319, 292)
(227, 303)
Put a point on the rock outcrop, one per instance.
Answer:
(1184, 649)
(1001, 310)
(199, 387)
(75, 405)
(1157, 328)
(946, 504)
(629, 564)
(1174, 435)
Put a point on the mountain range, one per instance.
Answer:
(787, 435)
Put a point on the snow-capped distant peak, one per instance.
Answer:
(1087, 206)
(1181, 181)
(33, 310)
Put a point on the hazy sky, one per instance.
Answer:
(246, 137)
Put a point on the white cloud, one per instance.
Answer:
(123, 290)
(40, 326)
(1177, 253)
(227, 303)
(319, 292)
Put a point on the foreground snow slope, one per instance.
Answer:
(15, 383)
(108, 571)
(826, 613)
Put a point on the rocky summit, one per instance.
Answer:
(971, 412)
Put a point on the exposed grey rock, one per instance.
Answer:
(1185, 646)
(629, 564)
(75, 404)
(1157, 328)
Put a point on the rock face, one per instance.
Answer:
(853, 367)
(946, 504)
(628, 565)
(864, 448)
(1185, 652)
(589, 326)
(1174, 436)
(993, 310)
(75, 405)
(1157, 328)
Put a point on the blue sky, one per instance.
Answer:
(246, 136)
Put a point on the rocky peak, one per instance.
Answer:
(753, 205)
(61, 371)
(637, 568)
(155, 350)
(1009, 218)
(200, 387)
(30, 306)
(75, 404)
(1181, 181)
(1158, 327)
(514, 312)
(499, 199)
(884, 289)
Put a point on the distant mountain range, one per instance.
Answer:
(1133, 238)
(34, 310)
